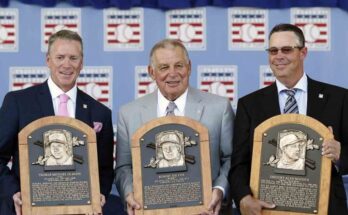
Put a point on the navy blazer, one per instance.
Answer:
(21, 107)
(326, 103)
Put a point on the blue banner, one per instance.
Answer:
(170, 4)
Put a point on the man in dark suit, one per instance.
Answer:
(324, 102)
(64, 59)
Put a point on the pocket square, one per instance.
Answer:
(97, 126)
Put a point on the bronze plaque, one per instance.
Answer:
(169, 154)
(287, 168)
(57, 159)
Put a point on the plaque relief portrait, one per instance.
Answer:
(291, 150)
(58, 148)
(58, 153)
(290, 155)
(170, 151)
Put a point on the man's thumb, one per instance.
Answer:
(267, 205)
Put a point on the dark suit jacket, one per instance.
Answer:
(21, 107)
(253, 109)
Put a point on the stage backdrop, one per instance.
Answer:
(226, 46)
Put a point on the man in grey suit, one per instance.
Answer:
(170, 67)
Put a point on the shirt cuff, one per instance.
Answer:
(222, 189)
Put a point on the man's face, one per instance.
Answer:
(65, 63)
(293, 151)
(170, 151)
(171, 72)
(58, 150)
(287, 67)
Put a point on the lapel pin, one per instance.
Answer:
(84, 106)
(321, 95)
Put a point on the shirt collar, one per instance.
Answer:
(163, 102)
(56, 91)
(300, 85)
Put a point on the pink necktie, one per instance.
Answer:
(63, 105)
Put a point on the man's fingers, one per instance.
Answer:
(102, 200)
(267, 205)
(17, 200)
(212, 205)
(133, 204)
(217, 209)
(215, 203)
(330, 128)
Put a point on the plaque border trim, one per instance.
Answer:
(27, 208)
(325, 172)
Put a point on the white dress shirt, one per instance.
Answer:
(300, 95)
(56, 92)
(162, 104)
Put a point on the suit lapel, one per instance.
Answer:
(316, 99)
(194, 107)
(270, 101)
(82, 107)
(45, 100)
(149, 108)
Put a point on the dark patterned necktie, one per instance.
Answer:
(290, 104)
(170, 108)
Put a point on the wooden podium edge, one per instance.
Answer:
(27, 208)
(206, 172)
(325, 171)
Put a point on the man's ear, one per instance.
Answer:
(151, 72)
(189, 68)
(47, 58)
(304, 52)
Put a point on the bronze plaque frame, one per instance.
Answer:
(259, 165)
(24, 137)
(138, 166)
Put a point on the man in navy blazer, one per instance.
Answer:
(326, 103)
(64, 59)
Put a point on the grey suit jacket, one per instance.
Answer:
(213, 111)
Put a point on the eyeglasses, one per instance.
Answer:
(284, 49)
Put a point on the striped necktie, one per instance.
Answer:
(290, 104)
(170, 108)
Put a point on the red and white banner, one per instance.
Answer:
(188, 26)
(8, 30)
(247, 29)
(24, 77)
(143, 82)
(123, 30)
(266, 76)
(97, 82)
(53, 20)
(315, 24)
(219, 79)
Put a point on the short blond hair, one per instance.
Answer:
(64, 35)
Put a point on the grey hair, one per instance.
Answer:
(167, 43)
